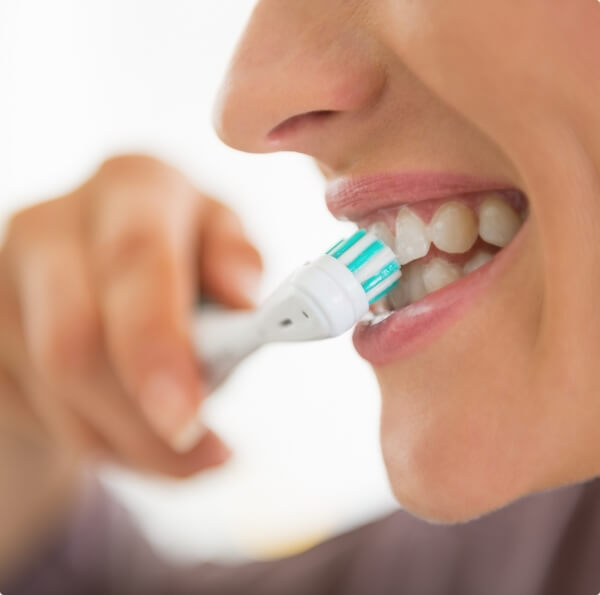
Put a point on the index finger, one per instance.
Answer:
(141, 247)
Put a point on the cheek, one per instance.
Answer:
(506, 403)
(499, 64)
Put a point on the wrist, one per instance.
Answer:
(37, 482)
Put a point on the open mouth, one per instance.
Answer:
(439, 241)
(455, 238)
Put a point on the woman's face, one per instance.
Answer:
(452, 125)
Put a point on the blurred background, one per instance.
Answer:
(81, 80)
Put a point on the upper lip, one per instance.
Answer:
(355, 197)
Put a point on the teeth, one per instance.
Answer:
(498, 221)
(380, 307)
(477, 261)
(412, 276)
(399, 296)
(438, 273)
(453, 228)
(412, 237)
(381, 231)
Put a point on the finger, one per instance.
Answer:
(46, 417)
(209, 453)
(141, 249)
(100, 421)
(76, 394)
(60, 334)
(130, 440)
(230, 266)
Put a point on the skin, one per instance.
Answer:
(95, 292)
(505, 402)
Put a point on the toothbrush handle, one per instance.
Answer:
(222, 339)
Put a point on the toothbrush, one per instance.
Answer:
(322, 299)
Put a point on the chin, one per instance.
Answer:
(452, 470)
(445, 496)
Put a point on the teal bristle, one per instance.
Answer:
(347, 244)
(366, 255)
(374, 281)
(335, 246)
(384, 293)
(388, 270)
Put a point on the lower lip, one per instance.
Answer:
(414, 327)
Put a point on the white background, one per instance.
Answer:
(80, 80)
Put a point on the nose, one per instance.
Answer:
(298, 73)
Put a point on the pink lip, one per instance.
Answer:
(406, 331)
(355, 197)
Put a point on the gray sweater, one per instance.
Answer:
(545, 544)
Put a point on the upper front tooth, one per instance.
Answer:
(412, 237)
(453, 228)
(438, 273)
(498, 221)
(381, 231)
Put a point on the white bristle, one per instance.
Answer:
(353, 252)
(383, 285)
(375, 265)
(383, 257)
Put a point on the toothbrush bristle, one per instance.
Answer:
(371, 261)
(384, 293)
(342, 248)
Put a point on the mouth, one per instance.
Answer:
(453, 236)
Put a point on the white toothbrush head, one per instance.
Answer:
(328, 296)
(322, 299)
(373, 263)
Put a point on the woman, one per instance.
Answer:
(466, 126)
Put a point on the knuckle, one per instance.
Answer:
(39, 226)
(28, 223)
(131, 162)
(127, 248)
(145, 173)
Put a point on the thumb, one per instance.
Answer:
(230, 265)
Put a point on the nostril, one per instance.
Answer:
(294, 124)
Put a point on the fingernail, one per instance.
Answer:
(189, 436)
(166, 406)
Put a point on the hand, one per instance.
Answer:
(96, 290)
